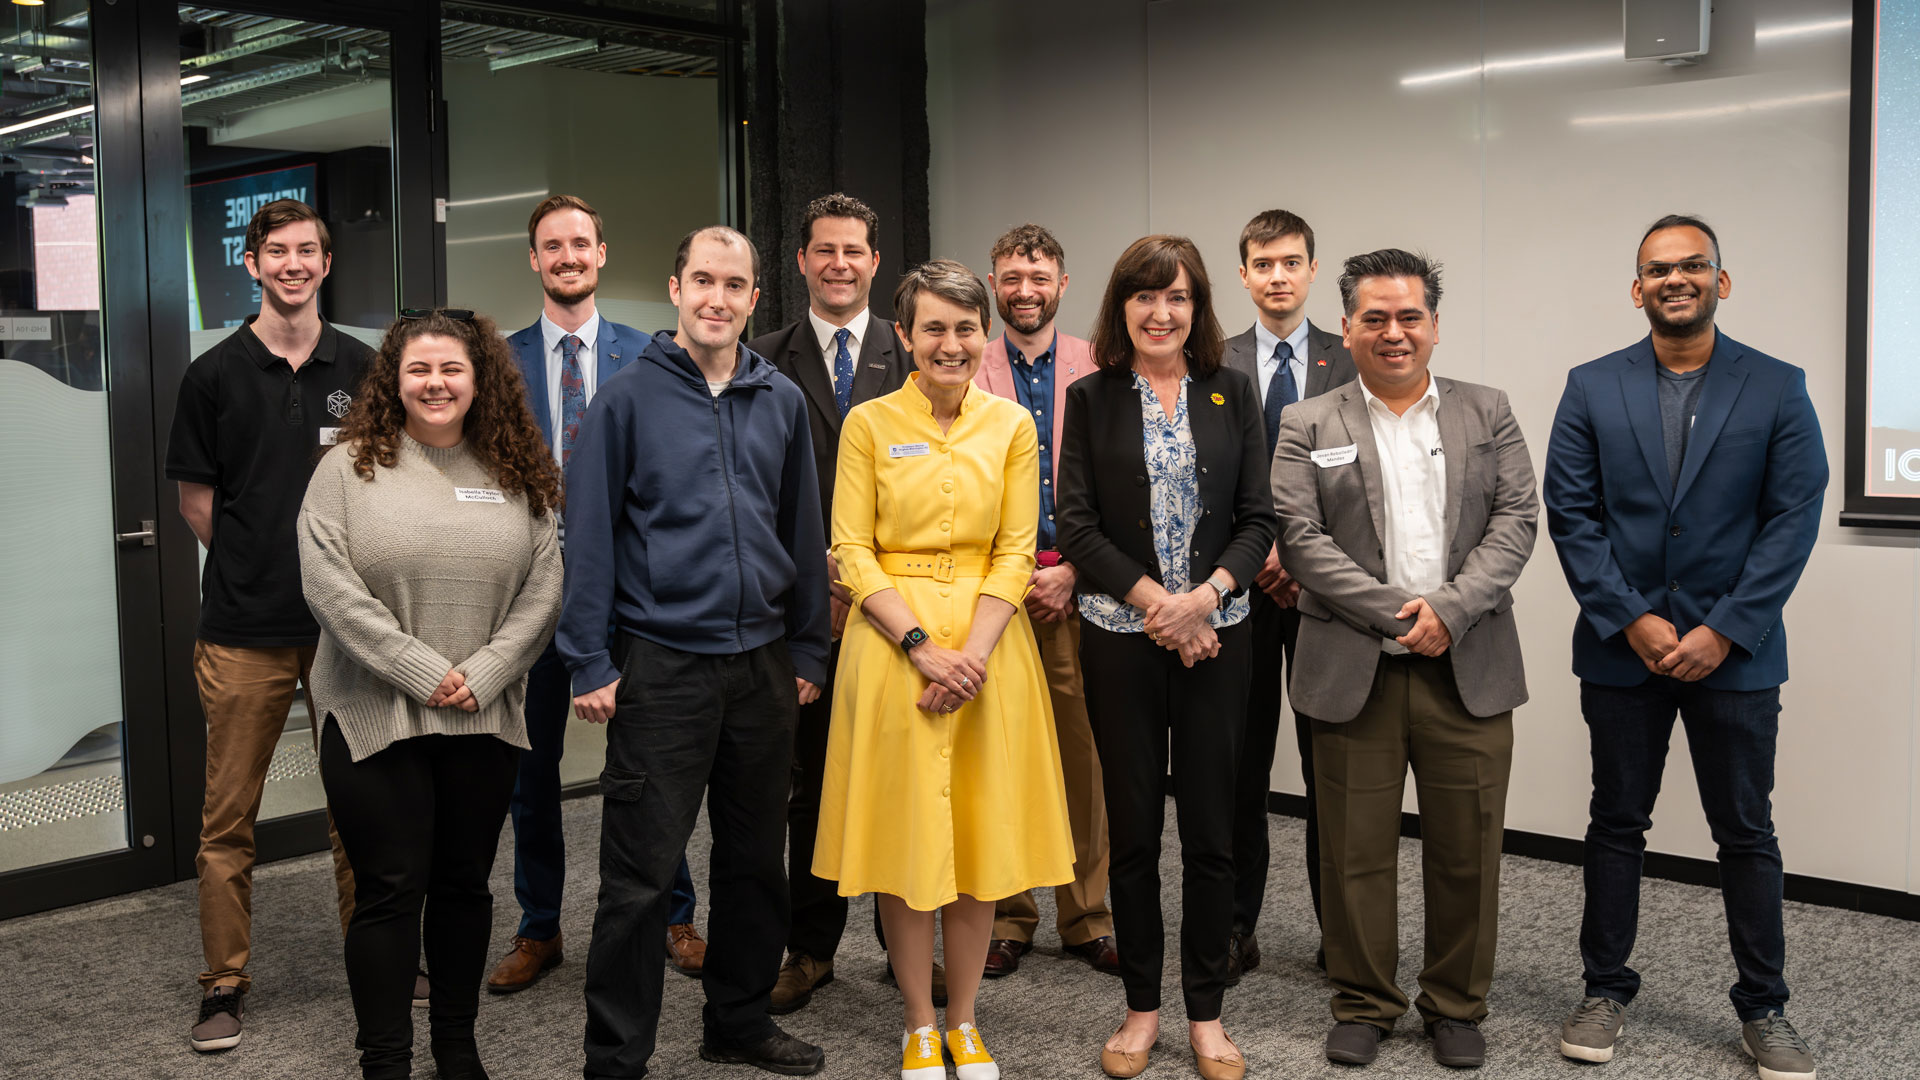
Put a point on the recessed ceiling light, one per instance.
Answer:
(31, 3)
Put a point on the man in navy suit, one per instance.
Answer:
(1683, 488)
(564, 357)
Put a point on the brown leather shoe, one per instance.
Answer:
(1124, 1065)
(686, 949)
(1101, 954)
(1003, 957)
(1230, 1067)
(523, 966)
(799, 977)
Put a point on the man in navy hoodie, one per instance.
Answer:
(694, 530)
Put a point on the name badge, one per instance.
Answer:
(1335, 455)
(329, 436)
(916, 449)
(487, 495)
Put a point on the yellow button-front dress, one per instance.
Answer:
(923, 805)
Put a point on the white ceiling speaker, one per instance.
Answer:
(1674, 31)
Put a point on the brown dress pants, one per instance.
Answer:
(245, 694)
(1460, 767)
(1081, 906)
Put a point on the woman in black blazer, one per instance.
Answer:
(1166, 513)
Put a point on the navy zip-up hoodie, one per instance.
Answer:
(693, 521)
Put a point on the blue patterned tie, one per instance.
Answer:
(842, 371)
(1281, 392)
(573, 395)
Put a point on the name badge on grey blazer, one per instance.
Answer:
(1335, 455)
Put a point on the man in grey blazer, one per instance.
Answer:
(1288, 358)
(1407, 510)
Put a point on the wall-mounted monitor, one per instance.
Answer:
(221, 292)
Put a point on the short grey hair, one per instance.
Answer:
(948, 280)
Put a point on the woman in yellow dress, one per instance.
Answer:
(943, 788)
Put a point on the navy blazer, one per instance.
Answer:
(614, 348)
(1723, 547)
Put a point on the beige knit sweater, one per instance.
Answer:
(427, 567)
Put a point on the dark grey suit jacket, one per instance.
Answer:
(1328, 362)
(881, 368)
(1332, 540)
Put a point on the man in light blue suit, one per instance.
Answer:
(564, 357)
(1683, 487)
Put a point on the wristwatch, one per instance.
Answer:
(1219, 588)
(915, 638)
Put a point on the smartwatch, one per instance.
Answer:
(1221, 589)
(915, 638)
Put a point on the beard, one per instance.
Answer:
(571, 294)
(1681, 328)
(1027, 324)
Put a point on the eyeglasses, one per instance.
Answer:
(1656, 271)
(454, 313)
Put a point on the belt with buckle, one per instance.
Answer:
(941, 565)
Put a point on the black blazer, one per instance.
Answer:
(881, 368)
(1104, 515)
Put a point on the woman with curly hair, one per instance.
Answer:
(430, 556)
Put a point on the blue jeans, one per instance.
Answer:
(1731, 735)
(539, 846)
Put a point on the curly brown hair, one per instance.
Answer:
(499, 427)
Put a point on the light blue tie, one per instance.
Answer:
(842, 371)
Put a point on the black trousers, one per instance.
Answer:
(420, 821)
(687, 726)
(1274, 630)
(1139, 694)
(819, 911)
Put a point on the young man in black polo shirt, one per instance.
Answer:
(253, 414)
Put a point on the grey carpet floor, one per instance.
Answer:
(105, 991)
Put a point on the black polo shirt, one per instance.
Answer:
(251, 427)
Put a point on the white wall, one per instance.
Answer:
(1107, 120)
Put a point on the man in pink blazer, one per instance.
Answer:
(1033, 364)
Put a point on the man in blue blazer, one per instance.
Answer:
(564, 357)
(1683, 488)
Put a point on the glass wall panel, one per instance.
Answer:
(62, 767)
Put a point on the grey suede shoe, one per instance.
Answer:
(1777, 1049)
(1588, 1033)
(1458, 1044)
(219, 1025)
(1354, 1044)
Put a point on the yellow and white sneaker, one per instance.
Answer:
(970, 1058)
(920, 1055)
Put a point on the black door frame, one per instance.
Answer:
(141, 152)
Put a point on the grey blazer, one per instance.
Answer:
(1328, 362)
(1331, 539)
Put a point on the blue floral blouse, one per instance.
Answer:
(1173, 492)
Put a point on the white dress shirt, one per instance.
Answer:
(589, 335)
(1264, 343)
(1413, 483)
(823, 332)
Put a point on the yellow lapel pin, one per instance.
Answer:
(1219, 399)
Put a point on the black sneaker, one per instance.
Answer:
(776, 1052)
(219, 1025)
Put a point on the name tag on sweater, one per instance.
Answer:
(487, 495)
(329, 436)
(1335, 455)
(900, 450)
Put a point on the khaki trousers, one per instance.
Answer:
(245, 694)
(1082, 912)
(1460, 767)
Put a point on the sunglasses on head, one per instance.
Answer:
(456, 314)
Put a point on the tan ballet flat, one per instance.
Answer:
(1124, 1065)
(1226, 1068)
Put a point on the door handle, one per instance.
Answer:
(144, 537)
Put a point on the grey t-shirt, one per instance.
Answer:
(1679, 397)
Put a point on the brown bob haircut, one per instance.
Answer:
(948, 280)
(1148, 264)
(280, 213)
(554, 203)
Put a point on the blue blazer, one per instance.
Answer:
(1724, 546)
(615, 348)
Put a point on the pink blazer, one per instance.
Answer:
(1072, 361)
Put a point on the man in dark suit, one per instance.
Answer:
(1683, 489)
(1407, 512)
(564, 358)
(1288, 358)
(840, 355)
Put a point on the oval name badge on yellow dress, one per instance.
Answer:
(1219, 399)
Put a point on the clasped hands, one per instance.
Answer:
(1178, 622)
(953, 676)
(1665, 652)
